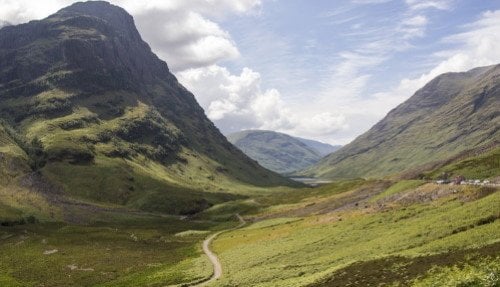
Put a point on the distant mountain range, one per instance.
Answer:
(280, 152)
(322, 148)
(452, 114)
(89, 110)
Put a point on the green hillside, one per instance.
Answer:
(323, 148)
(276, 151)
(111, 175)
(88, 109)
(453, 113)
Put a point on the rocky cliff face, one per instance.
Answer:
(453, 113)
(95, 111)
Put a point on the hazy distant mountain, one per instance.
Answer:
(452, 113)
(323, 148)
(87, 105)
(277, 151)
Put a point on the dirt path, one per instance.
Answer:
(213, 257)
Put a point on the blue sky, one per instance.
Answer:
(326, 70)
(346, 60)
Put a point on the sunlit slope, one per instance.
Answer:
(93, 111)
(452, 113)
(367, 233)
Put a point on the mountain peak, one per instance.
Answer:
(452, 114)
(116, 17)
(99, 9)
(85, 88)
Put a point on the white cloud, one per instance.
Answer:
(345, 92)
(414, 26)
(186, 34)
(478, 45)
(370, 1)
(417, 21)
(179, 31)
(186, 39)
(427, 4)
(236, 102)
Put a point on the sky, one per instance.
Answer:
(319, 69)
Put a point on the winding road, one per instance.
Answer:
(212, 256)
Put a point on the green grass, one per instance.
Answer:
(275, 151)
(7, 281)
(398, 187)
(289, 196)
(296, 253)
(137, 249)
(440, 121)
(478, 167)
(483, 272)
(140, 252)
(7, 213)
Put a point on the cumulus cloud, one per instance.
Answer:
(186, 39)
(187, 35)
(236, 102)
(179, 31)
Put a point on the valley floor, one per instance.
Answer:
(347, 233)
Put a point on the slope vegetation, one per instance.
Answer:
(452, 113)
(277, 151)
(92, 112)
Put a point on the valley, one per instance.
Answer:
(293, 237)
(112, 174)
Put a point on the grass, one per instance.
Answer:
(482, 272)
(135, 155)
(303, 236)
(451, 114)
(284, 252)
(486, 165)
(120, 248)
(135, 252)
(398, 187)
(275, 151)
(7, 213)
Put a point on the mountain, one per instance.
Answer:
(88, 110)
(322, 148)
(277, 151)
(453, 113)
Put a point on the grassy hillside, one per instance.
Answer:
(276, 151)
(484, 165)
(111, 175)
(138, 250)
(88, 109)
(453, 113)
(323, 148)
(347, 233)
(408, 234)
